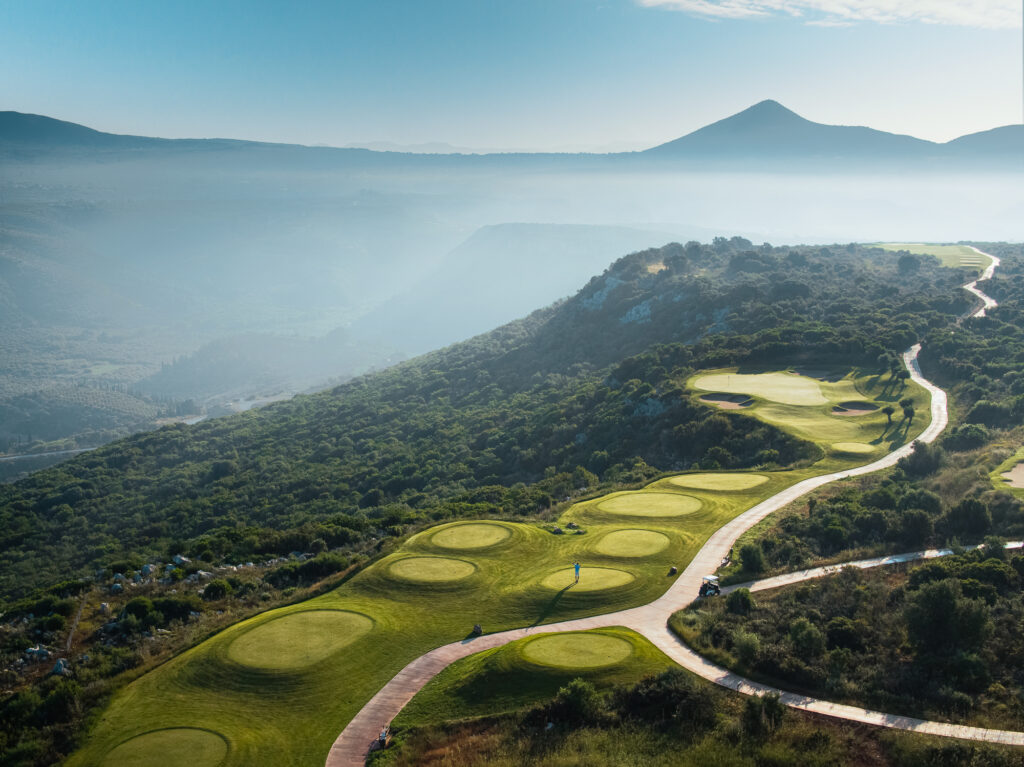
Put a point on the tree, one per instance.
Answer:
(970, 517)
(941, 620)
(908, 413)
(216, 589)
(889, 410)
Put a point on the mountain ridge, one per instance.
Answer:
(765, 128)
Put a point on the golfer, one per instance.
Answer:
(577, 566)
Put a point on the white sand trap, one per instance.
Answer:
(728, 401)
(1015, 476)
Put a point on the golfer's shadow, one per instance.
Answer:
(550, 606)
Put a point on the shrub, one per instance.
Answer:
(216, 589)
(740, 602)
(752, 558)
(747, 646)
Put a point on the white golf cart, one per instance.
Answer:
(709, 586)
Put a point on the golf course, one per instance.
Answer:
(276, 689)
(955, 256)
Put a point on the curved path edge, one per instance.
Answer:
(351, 747)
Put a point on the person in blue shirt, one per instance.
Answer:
(577, 566)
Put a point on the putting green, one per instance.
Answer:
(591, 579)
(175, 747)
(854, 448)
(577, 650)
(431, 569)
(785, 388)
(298, 639)
(719, 481)
(632, 543)
(472, 536)
(651, 505)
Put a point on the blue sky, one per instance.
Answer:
(544, 74)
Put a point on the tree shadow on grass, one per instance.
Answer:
(550, 606)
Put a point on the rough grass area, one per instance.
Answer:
(174, 747)
(650, 504)
(955, 256)
(299, 639)
(292, 714)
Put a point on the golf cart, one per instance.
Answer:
(709, 586)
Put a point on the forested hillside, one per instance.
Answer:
(586, 392)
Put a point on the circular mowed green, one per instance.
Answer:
(632, 543)
(719, 481)
(175, 747)
(471, 536)
(431, 569)
(298, 639)
(651, 505)
(856, 448)
(577, 650)
(591, 579)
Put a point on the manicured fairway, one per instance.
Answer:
(432, 569)
(719, 481)
(591, 579)
(650, 504)
(298, 639)
(577, 650)
(174, 747)
(632, 543)
(278, 690)
(956, 256)
(784, 388)
(471, 536)
(505, 679)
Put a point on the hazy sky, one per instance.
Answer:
(548, 74)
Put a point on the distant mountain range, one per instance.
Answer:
(767, 132)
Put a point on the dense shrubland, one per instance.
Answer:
(941, 640)
(504, 424)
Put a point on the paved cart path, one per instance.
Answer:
(651, 620)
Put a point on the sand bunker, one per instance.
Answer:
(727, 401)
(577, 650)
(650, 505)
(298, 639)
(854, 448)
(1015, 476)
(854, 408)
(632, 543)
(719, 481)
(431, 569)
(591, 579)
(471, 536)
(174, 747)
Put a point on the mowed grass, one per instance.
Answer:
(509, 678)
(955, 256)
(179, 747)
(282, 695)
(816, 408)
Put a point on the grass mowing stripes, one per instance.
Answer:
(290, 714)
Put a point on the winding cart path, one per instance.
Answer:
(651, 620)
